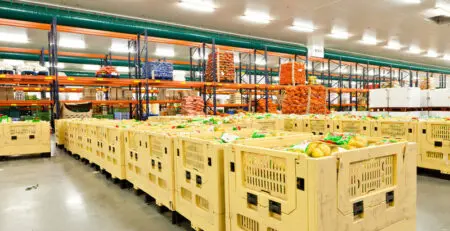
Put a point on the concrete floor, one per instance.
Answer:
(68, 195)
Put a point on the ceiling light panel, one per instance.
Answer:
(446, 57)
(369, 38)
(339, 33)
(393, 44)
(303, 26)
(13, 34)
(256, 17)
(123, 69)
(432, 54)
(413, 49)
(206, 6)
(72, 41)
(60, 65)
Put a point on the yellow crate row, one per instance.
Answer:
(251, 184)
(432, 136)
(24, 138)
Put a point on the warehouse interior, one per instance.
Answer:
(215, 115)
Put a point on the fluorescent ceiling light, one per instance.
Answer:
(256, 17)
(60, 65)
(122, 69)
(73, 41)
(339, 33)
(303, 27)
(13, 34)
(432, 54)
(165, 51)
(393, 44)
(446, 57)
(13, 62)
(369, 38)
(198, 5)
(410, 1)
(89, 67)
(413, 49)
(120, 46)
(236, 59)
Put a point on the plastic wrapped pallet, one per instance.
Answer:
(408, 97)
(439, 98)
(192, 105)
(292, 73)
(305, 100)
(158, 70)
(225, 71)
(426, 84)
(378, 98)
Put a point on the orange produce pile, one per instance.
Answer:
(225, 67)
(292, 70)
(107, 71)
(305, 100)
(192, 105)
(261, 108)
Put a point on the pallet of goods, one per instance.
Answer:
(305, 100)
(224, 67)
(158, 70)
(192, 106)
(292, 73)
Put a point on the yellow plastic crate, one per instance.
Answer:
(59, 131)
(294, 124)
(395, 128)
(353, 126)
(23, 138)
(114, 162)
(434, 142)
(365, 189)
(317, 126)
(199, 194)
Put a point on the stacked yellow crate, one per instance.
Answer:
(434, 143)
(199, 168)
(317, 125)
(23, 138)
(269, 188)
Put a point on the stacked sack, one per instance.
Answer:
(305, 100)
(292, 71)
(261, 107)
(107, 71)
(192, 105)
(225, 67)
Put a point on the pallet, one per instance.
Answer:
(26, 156)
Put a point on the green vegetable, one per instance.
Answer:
(256, 135)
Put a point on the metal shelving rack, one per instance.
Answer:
(355, 82)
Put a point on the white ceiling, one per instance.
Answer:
(386, 17)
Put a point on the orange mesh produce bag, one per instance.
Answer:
(261, 108)
(192, 105)
(305, 100)
(225, 67)
(292, 73)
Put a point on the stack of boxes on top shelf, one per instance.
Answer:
(114, 93)
(299, 98)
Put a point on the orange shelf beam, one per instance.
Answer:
(22, 103)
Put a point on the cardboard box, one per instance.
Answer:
(127, 94)
(89, 93)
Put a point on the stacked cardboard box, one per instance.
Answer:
(89, 93)
(6, 93)
(224, 67)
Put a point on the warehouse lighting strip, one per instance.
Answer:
(198, 5)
